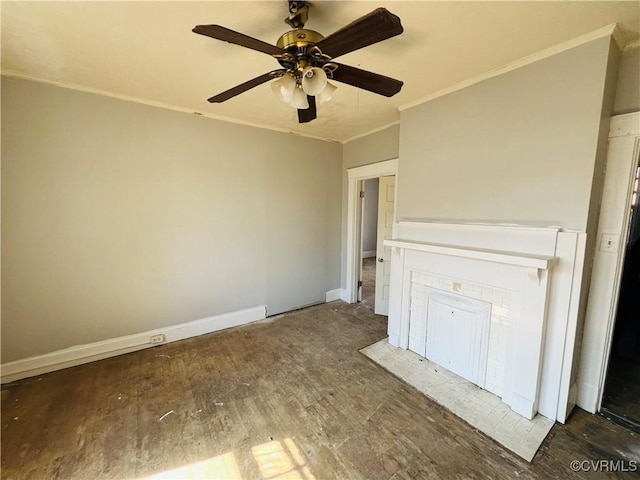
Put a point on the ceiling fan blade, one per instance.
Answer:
(370, 81)
(231, 36)
(367, 30)
(243, 87)
(308, 114)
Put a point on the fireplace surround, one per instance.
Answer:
(496, 304)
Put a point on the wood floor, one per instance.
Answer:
(290, 397)
(369, 282)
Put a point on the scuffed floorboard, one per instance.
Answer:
(290, 397)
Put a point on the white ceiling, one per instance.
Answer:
(146, 50)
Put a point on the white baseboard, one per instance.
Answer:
(337, 294)
(333, 295)
(79, 354)
(369, 253)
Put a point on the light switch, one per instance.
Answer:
(609, 242)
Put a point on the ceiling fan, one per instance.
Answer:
(306, 58)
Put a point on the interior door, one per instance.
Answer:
(386, 196)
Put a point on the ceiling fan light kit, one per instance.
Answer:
(284, 87)
(326, 94)
(306, 58)
(299, 99)
(314, 80)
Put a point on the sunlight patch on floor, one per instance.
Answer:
(222, 466)
(276, 461)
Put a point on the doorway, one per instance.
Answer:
(621, 397)
(354, 263)
(378, 214)
(369, 241)
(611, 240)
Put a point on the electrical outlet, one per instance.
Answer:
(609, 242)
(157, 338)
(457, 286)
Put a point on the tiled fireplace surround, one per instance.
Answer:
(526, 278)
(492, 346)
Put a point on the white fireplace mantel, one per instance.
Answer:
(468, 259)
(530, 261)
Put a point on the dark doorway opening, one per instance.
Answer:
(621, 398)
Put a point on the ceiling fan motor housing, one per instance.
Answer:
(299, 38)
(299, 44)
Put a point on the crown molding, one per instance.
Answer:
(618, 36)
(610, 30)
(370, 132)
(166, 106)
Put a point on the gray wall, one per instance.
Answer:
(519, 147)
(118, 218)
(525, 147)
(628, 88)
(370, 215)
(454, 177)
(376, 147)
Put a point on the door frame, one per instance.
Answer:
(604, 288)
(354, 219)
